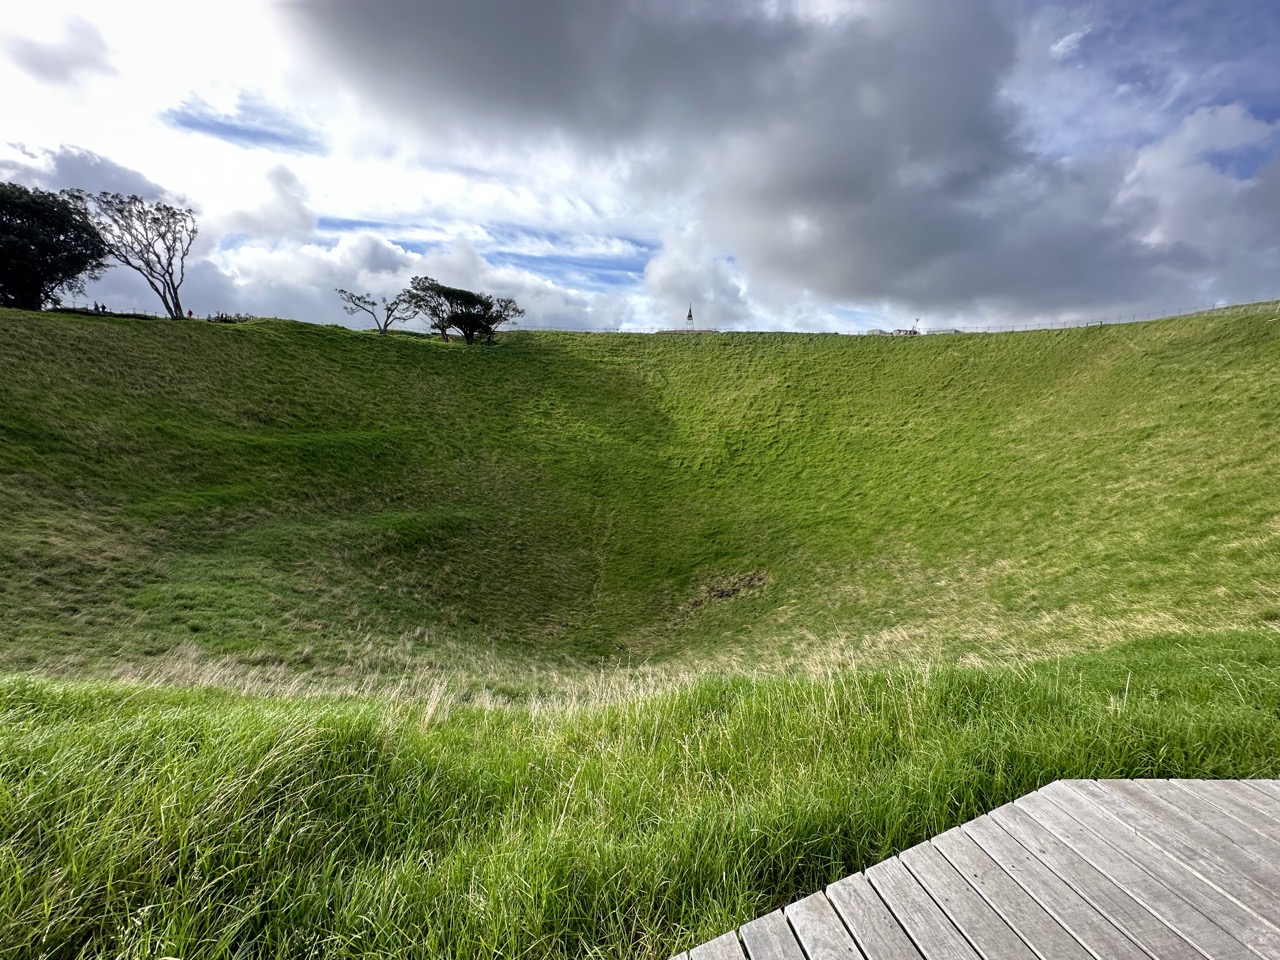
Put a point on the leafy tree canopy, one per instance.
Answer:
(48, 246)
(473, 315)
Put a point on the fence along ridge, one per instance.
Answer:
(1007, 328)
(1210, 311)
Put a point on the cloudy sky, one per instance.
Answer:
(779, 164)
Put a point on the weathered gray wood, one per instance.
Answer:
(770, 938)
(982, 926)
(935, 936)
(1063, 865)
(994, 878)
(1111, 842)
(1089, 928)
(1246, 805)
(820, 931)
(874, 928)
(1201, 849)
(1217, 817)
(1268, 788)
(1253, 809)
(723, 947)
(1112, 870)
(1264, 802)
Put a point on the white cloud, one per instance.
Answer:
(283, 213)
(1066, 47)
(78, 54)
(783, 163)
(1229, 217)
(689, 271)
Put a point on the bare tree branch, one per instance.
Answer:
(152, 238)
(396, 310)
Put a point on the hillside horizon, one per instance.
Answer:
(319, 642)
(284, 501)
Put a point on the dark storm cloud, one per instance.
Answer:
(605, 70)
(81, 51)
(254, 123)
(874, 156)
(943, 220)
(71, 167)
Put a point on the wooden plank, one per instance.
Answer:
(1063, 865)
(1262, 801)
(723, 947)
(1247, 805)
(1250, 807)
(820, 931)
(1088, 924)
(1268, 788)
(1216, 814)
(982, 926)
(1114, 870)
(874, 929)
(1176, 895)
(987, 871)
(1203, 850)
(924, 922)
(770, 938)
(1106, 843)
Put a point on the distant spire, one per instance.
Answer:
(688, 321)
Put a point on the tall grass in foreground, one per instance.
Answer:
(151, 823)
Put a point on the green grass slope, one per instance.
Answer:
(958, 568)
(289, 501)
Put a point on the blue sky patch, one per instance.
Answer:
(416, 246)
(592, 273)
(233, 241)
(253, 124)
(1243, 163)
(512, 234)
(343, 224)
(584, 262)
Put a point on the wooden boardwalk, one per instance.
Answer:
(1080, 870)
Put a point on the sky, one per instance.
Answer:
(820, 165)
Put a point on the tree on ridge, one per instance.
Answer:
(150, 238)
(396, 310)
(48, 245)
(454, 308)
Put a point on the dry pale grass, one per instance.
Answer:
(396, 674)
